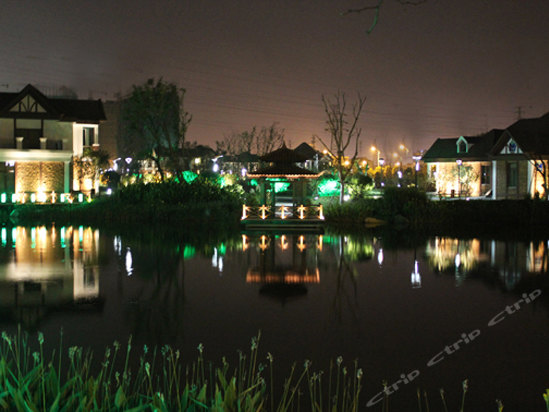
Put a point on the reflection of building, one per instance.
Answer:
(284, 258)
(283, 264)
(511, 259)
(45, 268)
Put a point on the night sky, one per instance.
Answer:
(441, 69)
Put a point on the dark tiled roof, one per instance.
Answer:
(84, 111)
(283, 155)
(531, 135)
(446, 149)
(306, 150)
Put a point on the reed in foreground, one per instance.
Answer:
(69, 380)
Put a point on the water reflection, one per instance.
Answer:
(44, 269)
(512, 260)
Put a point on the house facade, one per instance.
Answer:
(506, 163)
(39, 138)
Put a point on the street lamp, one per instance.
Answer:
(417, 158)
(375, 149)
(458, 161)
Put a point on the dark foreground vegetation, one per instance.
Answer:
(411, 209)
(71, 379)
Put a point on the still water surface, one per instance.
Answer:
(440, 312)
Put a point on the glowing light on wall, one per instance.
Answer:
(282, 212)
(245, 244)
(320, 213)
(244, 209)
(33, 197)
(14, 198)
(320, 241)
(41, 197)
(4, 236)
(80, 197)
(380, 256)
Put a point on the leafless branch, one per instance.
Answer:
(377, 8)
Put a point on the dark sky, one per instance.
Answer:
(442, 69)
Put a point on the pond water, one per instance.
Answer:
(438, 312)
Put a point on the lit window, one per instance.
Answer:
(88, 136)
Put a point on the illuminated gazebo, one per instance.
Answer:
(283, 191)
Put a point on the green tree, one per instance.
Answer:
(155, 124)
(90, 165)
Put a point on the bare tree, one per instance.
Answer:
(261, 141)
(342, 133)
(376, 8)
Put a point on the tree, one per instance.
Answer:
(90, 165)
(155, 124)
(376, 9)
(257, 141)
(342, 133)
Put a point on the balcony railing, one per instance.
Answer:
(282, 212)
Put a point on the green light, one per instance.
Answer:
(328, 187)
(188, 252)
(189, 176)
(222, 249)
(281, 186)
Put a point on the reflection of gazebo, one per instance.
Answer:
(283, 191)
(285, 263)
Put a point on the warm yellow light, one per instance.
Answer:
(301, 243)
(263, 243)
(263, 210)
(244, 209)
(301, 210)
(283, 242)
(320, 214)
(244, 243)
(282, 210)
(373, 148)
(319, 245)
(347, 163)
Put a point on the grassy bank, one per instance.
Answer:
(410, 208)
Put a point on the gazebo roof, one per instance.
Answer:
(283, 155)
(286, 170)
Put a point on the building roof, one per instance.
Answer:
(284, 170)
(81, 111)
(283, 155)
(446, 150)
(531, 135)
(306, 150)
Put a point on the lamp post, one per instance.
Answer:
(417, 158)
(458, 161)
(375, 149)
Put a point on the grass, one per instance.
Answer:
(74, 381)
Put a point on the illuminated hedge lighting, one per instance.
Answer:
(41, 197)
(80, 197)
(14, 198)
(3, 198)
(33, 197)
(328, 187)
